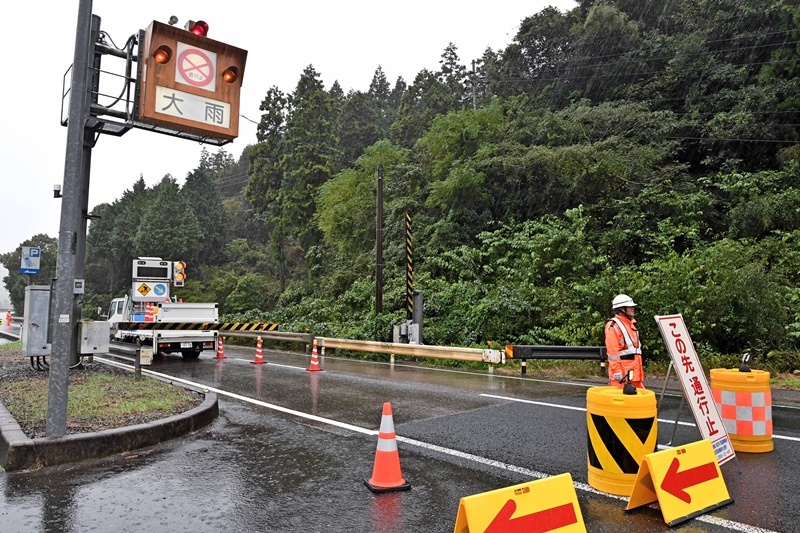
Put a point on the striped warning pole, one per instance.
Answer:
(409, 270)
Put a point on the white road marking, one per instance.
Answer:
(728, 524)
(663, 421)
(569, 407)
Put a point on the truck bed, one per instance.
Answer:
(186, 312)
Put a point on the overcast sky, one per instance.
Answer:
(345, 41)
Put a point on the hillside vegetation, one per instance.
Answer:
(637, 146)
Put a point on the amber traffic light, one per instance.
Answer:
(162, 55)
(230, 75)
(178, 273)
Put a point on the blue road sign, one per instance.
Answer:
(30, 260)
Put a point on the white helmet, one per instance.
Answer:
(622, 300)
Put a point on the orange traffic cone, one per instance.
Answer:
(386, 474)
(314, 366)
(148, 312)
(259, 357)
(220, 349)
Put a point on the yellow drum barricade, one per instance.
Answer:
(744, 402)
(622, 429)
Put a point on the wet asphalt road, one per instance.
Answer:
(295, 460)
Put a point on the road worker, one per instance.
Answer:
(623, 347)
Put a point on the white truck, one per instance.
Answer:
(128, 324)
(150, 316)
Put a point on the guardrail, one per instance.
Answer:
(492, 357)
(523, 352)
(390, 348)
(416, 350)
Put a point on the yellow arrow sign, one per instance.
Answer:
(686, 481)
(548, 504)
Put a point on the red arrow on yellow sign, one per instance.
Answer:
(538, 522)
(676, 482)
(539, 506)
(686, 481)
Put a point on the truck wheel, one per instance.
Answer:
(188, 355)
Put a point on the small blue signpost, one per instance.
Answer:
(30, 260)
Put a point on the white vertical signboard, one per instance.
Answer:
(695, 386)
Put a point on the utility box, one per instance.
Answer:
(400, 333)
(35, 328)
(94, 335)
(413, 333)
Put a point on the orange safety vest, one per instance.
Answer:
(627, 339)
(624, 351)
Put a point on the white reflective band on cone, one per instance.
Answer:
(387, 445)
(387, 426)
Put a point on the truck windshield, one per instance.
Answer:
(115, 308)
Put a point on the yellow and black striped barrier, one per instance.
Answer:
(622, 429)
(196, 326)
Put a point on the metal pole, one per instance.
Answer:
(474, 88)
(93, 75)
(379, 245)
(64, 323)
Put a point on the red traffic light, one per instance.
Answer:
(200, 28)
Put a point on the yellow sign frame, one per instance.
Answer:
(686, 481)
(543, 505)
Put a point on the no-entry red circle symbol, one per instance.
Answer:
(195, 67)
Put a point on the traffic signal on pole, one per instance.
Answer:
(188, 82)
(178, 273)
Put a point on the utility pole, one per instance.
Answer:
(379, 245)
(66, 307)
(474, 88)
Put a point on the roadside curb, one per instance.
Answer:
(18, 452)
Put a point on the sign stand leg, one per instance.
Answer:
(664, 390)
(680, 406)
(677, 418)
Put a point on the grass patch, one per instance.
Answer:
(11, 348)
(785, 381)
(96, 399)
(99, 397)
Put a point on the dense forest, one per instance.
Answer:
(636, 146)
